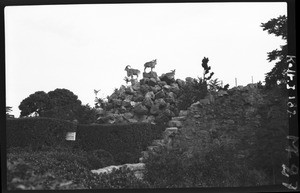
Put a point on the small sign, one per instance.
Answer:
(71, 136)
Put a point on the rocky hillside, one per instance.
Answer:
(250, 122)
(152, 99)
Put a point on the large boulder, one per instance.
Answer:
(160, 94)
(128, 97)
(136, 86)
(138, 98)
(169, 113)
(180, 82)
(161, 83)
(175, 88)
(161, 103)
(166, 87)
(127, 115)
(167, 79)
(149, 119)
(126, 103)
(122, 109)
(145, 88)
(148, 102)
(155, 89)
(150, 75)
(150, 95)
(154, 110)
(118, 118)
(144, 81)
(170, 98)
(152, 82)
(140, 109)
(129, 90)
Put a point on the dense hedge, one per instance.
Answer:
(37, 132)
(124, 141)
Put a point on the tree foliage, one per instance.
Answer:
(60, 103)
(36, 103)
(278, 27)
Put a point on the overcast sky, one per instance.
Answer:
(86, 47)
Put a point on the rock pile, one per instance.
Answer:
(152, 99)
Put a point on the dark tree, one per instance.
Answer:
(36, 103)
(63, 104)
(278, 27)
(60, 104)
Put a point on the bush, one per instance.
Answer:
(191, 92)
(118, 138)
(165, 169)
(172, 168)
(54, 169)
(63, 169)
(37, 132)
(121, 178)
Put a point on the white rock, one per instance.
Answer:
(107, 169)
(136, 166)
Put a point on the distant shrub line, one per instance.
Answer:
(124, 141)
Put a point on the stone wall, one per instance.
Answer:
(232, 118)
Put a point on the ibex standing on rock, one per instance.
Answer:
(150, 64)
(131, 72)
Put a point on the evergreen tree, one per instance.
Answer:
(278, 27)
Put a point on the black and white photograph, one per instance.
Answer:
(149, 96)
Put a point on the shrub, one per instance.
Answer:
(41, 170)
(121, 178)
(118, 138)
(191, 92)
(37, 132)
(216, 168)
(165, 169)
(63, 169)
